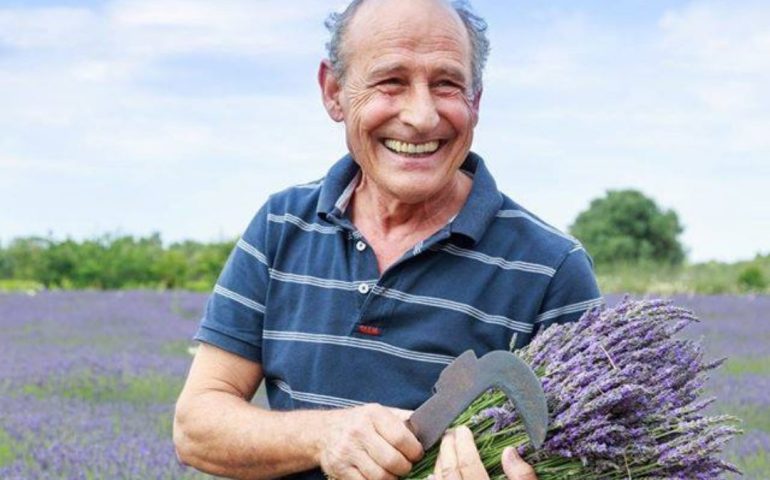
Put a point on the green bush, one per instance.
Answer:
(625, 227)
(752, 279)
(110, 262)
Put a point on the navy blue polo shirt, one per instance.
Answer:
(302, 295)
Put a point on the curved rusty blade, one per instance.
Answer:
(516, 379)
(465, 379)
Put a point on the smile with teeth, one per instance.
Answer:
(412, 148)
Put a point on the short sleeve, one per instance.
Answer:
(234, 313)
(572, 291)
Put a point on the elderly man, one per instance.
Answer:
(348, 296)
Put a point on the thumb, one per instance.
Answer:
(514, 467)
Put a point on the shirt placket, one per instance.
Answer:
(364, 270)
(365, 266)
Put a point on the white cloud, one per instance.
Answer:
(157, 28)
(550, 57)
(11, 166)
(75, 84)
(164, 27)
(104, 70)
(721, 37)
(679, 108)
(197, 14)
(11, 162)
(57, 28)
(574, 104)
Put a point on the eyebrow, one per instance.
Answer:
(399, 68)
(452, 72)
(388, 69)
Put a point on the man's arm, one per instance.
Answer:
(217, 430)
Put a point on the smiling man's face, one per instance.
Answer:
(406, 96)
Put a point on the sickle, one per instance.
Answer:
(467, 377)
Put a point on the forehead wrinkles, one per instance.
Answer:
(406, 27)
(434, 54)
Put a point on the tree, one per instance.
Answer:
(626, 226)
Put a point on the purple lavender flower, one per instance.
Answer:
(624, 395)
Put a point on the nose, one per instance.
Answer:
(419, 109)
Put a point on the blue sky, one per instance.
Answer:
(182, 116)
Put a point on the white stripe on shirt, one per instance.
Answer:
(309, 186)
(455, 306)
(316, 398)
(251, 250)
(317, 281)
(308, 227)
(525, 215)
(404, 297)
(247, 302)
(498, 261)
(362, 343)
(572, 308)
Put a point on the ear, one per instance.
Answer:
(330, 90)
(475, 106)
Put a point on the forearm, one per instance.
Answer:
(223, 434)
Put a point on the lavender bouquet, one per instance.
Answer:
(624, 396)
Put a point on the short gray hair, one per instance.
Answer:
(337, 24)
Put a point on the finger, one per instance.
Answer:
(436, 475)
(394, 430)
(468, 458)
(369, 469)
(350, 473)
(387, 456)
(514, 467)
(446, 465)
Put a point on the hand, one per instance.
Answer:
(370, 442)
(459, 459)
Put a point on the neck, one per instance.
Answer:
(379, 213)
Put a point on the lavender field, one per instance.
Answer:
(88, 380)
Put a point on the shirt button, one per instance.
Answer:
(360, 246)
(363, 288)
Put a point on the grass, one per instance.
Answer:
(708, 278)
(755, 465)
(150, 388)
(755, 417)
(177, 348)
(747, 365)
(7, 450)
(13, 285)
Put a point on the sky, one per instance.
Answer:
(182, 116)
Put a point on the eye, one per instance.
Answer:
(391, 85)
(447, 86)
(392, 81)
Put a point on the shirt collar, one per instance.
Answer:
(335, 184)
(483, 202)
(479, 211)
